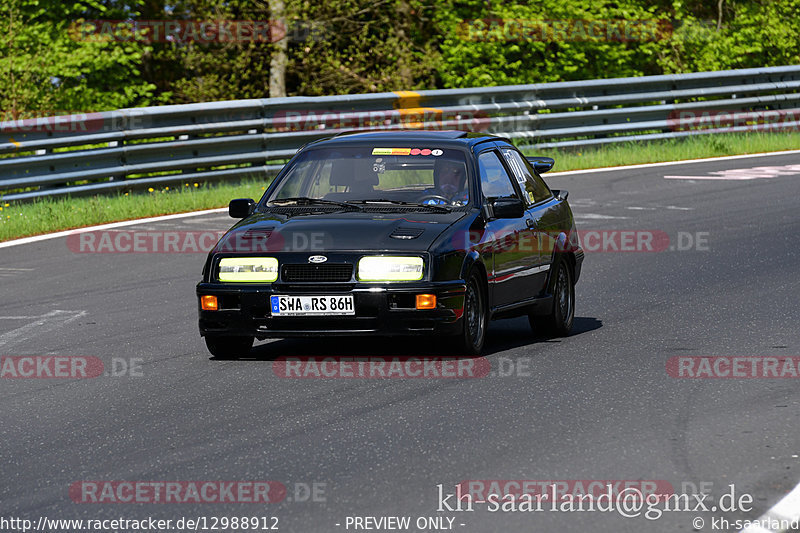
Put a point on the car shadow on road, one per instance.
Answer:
(348, 347)
(510, 334)
(502, 335)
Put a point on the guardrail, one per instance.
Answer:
(156, 146)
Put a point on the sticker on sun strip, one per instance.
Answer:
(406, 151)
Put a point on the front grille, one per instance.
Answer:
(307, 288)
(316, 273)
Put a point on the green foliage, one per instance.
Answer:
(755, 33)
(50, 68)
(357, 46)
(206, 71)
(551, 40)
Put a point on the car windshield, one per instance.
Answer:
(425, 175)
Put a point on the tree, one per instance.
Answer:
(49, 65)
(357, 46)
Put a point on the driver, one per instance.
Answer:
(450, 180)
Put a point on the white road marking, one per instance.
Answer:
(582, 202)
(634, 208)
(787, 510)
(223, 218)
(753, 173)
(41, 324)
(7, 272)
(720, 178)
(595, 216)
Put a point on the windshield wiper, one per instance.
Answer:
(440, 208)
(303, 200)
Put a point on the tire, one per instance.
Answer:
(558, 322)
(474, 321)
(228, 347)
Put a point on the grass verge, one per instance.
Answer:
(55, 214)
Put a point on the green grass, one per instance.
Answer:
(47, 215)
(54, 214)
(670, 150)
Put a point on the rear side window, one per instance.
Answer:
(495, 181)
(534, 186)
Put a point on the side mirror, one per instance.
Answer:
(241, 207)
(541, 164)
(508, 207)
(561, 194)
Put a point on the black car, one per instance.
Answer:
(394, 233)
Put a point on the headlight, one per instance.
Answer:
(248, 269)
(384, 268)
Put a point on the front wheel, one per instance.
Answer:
(228, 347)
(558, 323)
(474, 321)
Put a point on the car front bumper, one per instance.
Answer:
(385, 309)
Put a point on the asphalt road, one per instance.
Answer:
(598, 405)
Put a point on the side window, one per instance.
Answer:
(535, 188)
(495, 181)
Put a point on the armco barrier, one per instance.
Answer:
(155, 146)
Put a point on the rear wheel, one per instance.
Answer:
(228, 347)
(558, 322)
(474, 321)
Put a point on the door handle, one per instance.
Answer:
(530, 223)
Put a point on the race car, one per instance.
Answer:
(394, 233)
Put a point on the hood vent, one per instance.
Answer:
(258, 233)
(406, 233)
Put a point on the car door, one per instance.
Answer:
(510, 264)
(542, 216)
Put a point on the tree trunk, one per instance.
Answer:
(277, 64)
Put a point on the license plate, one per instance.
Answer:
(283, 305)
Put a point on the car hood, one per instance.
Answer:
(268, 232)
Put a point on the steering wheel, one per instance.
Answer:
(435, 197)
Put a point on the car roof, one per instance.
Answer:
(466, 138)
